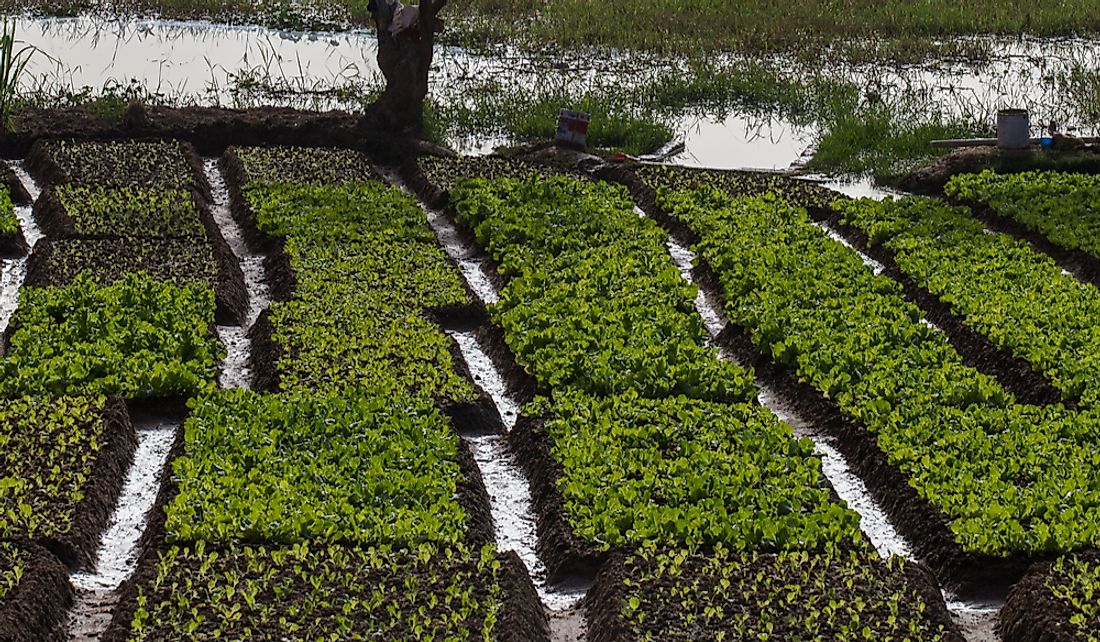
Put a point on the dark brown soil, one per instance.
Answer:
(265, 355)
(1033, 614)
(977, 351)
(19, 194)
(523, 618)
(210, 129)
(238, 206)
(35, 608)
(13, 245)
(474, 499)
(77, 548)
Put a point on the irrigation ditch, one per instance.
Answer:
(129, 534)
(515, 522)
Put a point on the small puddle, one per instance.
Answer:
(235, 371)
(743, 141)
(117, 556)
(976, 619)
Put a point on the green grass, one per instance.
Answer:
(884, 141)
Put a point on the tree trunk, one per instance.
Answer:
(405, 59)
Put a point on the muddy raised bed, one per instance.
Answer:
(34, 608)
(56, 262)
(1033, 611)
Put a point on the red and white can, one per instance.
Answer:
(573, 127)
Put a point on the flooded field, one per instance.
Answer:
(180, 62)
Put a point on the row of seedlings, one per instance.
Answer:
(1000, 287)
(959, 462)
(649, 456)
(76, 350)
(1054, 211)
(339, 503)
(115, 208)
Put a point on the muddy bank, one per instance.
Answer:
(210, 129)
(33, 609)
(931, 179)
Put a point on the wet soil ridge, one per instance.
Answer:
(210, 129)
(977, 351)
(34, 609)
(1032, 612)
(509, 490)
(236, 371)
(518, 527)
(120, 549)
(921, 523)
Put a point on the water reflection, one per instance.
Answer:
(184, 62)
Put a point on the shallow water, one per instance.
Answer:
(471, 262)
(14, 271)
(235, 371)
(977, 619)
(117, 555)
(200, 62)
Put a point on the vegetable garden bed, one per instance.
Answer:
(345, 512)
(181, 262)
(164, 164)
(63, 467)
(622, 449)
(1053, 211)
(34, 594)
(138, 338)
(139, 195)
(361, 286)
(898, 356)
(970, 284)
(683, 596)
(1056, 602)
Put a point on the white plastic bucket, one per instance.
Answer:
(1013, 129)
(573, 127)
